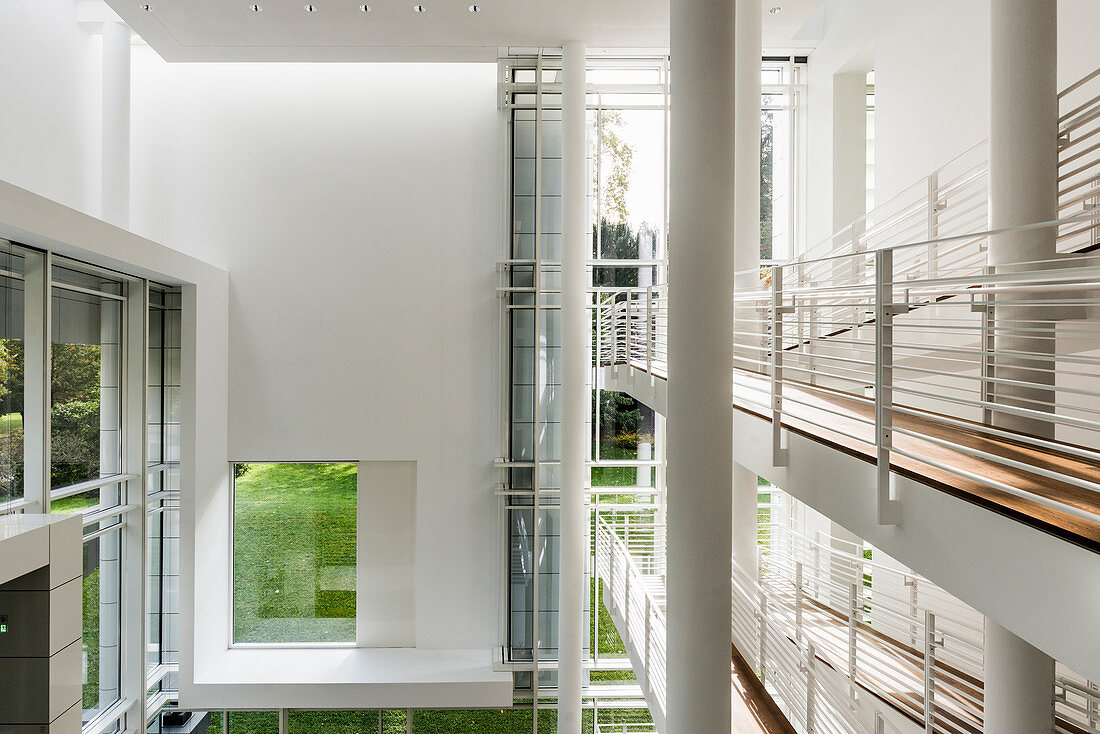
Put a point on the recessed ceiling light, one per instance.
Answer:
(776, 10)
(419, 8)
(146, 7)
(365, 8)
(475, 8)
(311, 8)
(256, 8)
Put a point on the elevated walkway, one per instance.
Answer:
(819, 648)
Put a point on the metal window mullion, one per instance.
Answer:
(535, 413)
(86, 291)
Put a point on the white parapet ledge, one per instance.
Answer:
(27, 543)
(303, 678)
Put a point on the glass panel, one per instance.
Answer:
(775, 184)
(294, 552)
(91, 281)
(102, 623)
(90, 501)
(86, 412)
(11, 382)
(155, 591)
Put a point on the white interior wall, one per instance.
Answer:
(932, 64)
(50, 90)
(356, 208)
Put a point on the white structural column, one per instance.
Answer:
(700, 355)
(745, 513)
(746, 247)
(115, 202)
(1023, 138)
(576, 332)
(1023, 189)
(1019, 684)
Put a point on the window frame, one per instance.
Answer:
(233, 644)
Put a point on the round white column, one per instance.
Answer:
(1023, 134)
(746, 243)
(745, 513)
(700, 394)
(1023, 189)
(576, 332)
(115, 194)
(746, 209)
(1019, 684)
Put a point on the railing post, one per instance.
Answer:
(880, 723)
(888, 508)
(629, 318)
(933, 221)
(1094, 705)
(811, 682)
(649, 331)
(648, 637)
(911, 581)
(626, 601)
(614, 331)
(779, 454)
(599, 334)
(798, 601)
(853, 592)
(610, 590)
(989, 341)
(761, 659)
(929, 670)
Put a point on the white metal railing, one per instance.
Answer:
(905, 365)
(838, 639)
(901, 637)
(1076, 704)
(633, 327)
(637, 599)
(954, 199)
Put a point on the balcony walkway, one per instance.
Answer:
(846, 423)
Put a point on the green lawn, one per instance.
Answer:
(615, 476)
(10, 422)
(480, 721)
(90, 642)
(294, 553)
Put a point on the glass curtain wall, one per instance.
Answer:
(77, 437)
(163, 408)
(628, 211)
(12, 316)
(86, 405)
(531, 284)
(781, 137)
(628, 146)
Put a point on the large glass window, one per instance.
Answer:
(294, 551)
(162, 501)
(11, 373)
(102, 627)
(86, 378)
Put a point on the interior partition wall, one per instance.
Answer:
(90, 390)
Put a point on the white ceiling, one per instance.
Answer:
(228, 30)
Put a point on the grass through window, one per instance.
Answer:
(294, 534)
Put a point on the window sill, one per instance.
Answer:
(272, 678)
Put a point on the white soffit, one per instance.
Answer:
(339, 30)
